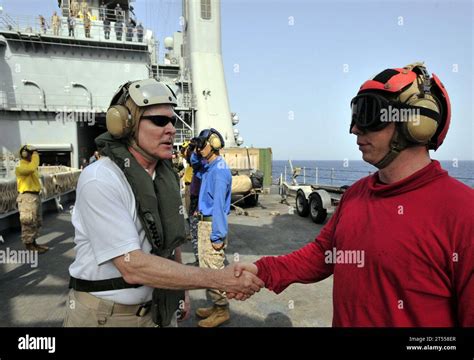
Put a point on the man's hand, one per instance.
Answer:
(246, 284)
(239, 269)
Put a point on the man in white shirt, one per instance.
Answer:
(128, 224)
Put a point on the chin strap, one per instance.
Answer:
(397, 144)
(133, 144)
(212, 152)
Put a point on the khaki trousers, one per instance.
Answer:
(211, 259)
(86, 310)
(187, 199)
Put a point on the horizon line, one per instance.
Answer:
(360, 160)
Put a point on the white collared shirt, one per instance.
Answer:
(106, 226)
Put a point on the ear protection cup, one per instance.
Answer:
(212, 137)
(421, 128)
(422, 121)
(119, 121)
(215, 142)
(217, 139)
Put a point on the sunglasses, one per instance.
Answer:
(161, 120)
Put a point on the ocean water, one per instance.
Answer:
(339, 173)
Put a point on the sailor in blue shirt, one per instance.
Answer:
(214, 206)
(214, 198)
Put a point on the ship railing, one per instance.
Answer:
(182, 135)
(32, 25)
(64, 102)
(61, 102)
(187, 100)
(97, 13)
(56, 181)
(333, 176)
(20, 100)
(330, 176)
(7, 22)
(168, 73)
(7, 165)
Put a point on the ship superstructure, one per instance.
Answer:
(55, 87)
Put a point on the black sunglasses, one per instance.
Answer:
(161, 120)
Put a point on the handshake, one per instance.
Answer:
(240, 281)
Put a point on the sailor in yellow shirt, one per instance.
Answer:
(28, 200)
(187, 176)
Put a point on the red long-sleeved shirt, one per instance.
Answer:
(417, 238)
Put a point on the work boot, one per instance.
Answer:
(41, 249)
(219, 316)
(44, 247)
(204, 313)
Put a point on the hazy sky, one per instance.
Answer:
(301, 62)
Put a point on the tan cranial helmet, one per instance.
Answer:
(129, 104)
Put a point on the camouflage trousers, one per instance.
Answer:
(211, 259)
(29, 207)
(193, 224)
(193, 229)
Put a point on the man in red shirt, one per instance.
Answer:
(400, 245)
